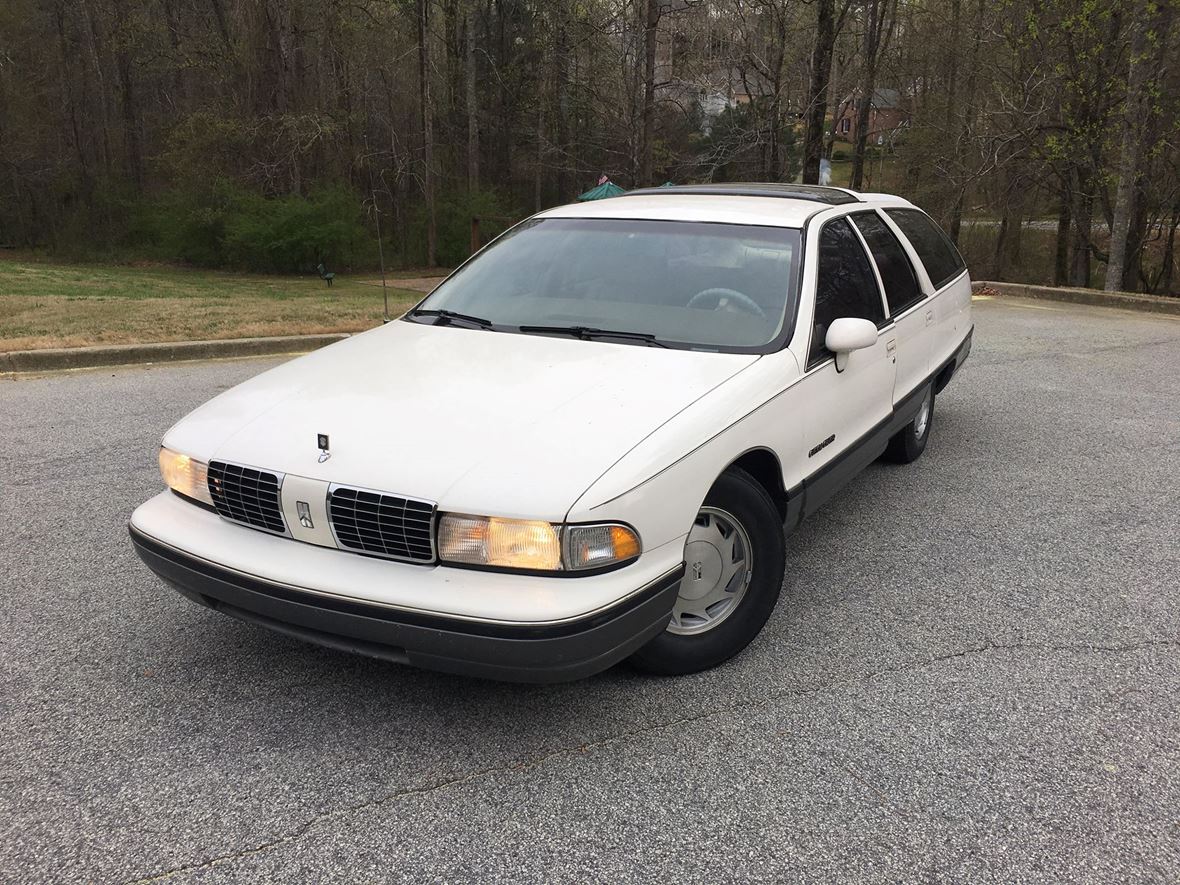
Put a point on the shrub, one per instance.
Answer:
(453, 217)
(225, 226)
(295, 233)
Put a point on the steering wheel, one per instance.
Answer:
(726, 298)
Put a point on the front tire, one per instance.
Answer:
(908, 444)
(734, 561)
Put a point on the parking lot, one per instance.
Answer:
(973, 673)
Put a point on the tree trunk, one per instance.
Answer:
(427, 109)
(130, 110)
(1129, 155)
(878, 11)
(1166, 274)
(1007, 251)
(1136, 240)
(93, 43)
(470, 100)
(177, 60)
(561, 101)
(504, 124)
(964, 124)
(70, 102)
(1082, 211)
(647, 148)
(222, 25)
(778, 42)
(539, 167)
(1061, 254)
(817, 90)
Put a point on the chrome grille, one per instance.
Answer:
(381, 524)
(245, 494)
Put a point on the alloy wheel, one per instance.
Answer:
(719, 564)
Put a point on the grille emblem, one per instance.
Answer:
(304, 511)
(321, 440)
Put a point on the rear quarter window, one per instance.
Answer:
(938, 254)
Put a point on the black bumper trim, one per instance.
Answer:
(527, 653)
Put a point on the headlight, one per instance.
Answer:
(531, 545)
(488, 540)
(185, 475)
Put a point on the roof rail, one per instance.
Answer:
(832, 195)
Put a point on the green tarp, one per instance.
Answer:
(604, 190)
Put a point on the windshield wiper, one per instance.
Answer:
(451, 316)
(586, 333)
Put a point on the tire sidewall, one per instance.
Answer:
(920, 441)
(906, 446)
(740, 495)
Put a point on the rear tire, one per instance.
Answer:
(735, 559)
(908, 444)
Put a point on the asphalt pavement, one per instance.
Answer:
(973, 673)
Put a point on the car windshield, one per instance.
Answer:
(681, 284)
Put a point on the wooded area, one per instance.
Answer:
(272, 134)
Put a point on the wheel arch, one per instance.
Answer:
(764, 465)
(944, 376)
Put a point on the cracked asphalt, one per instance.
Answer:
(973, 674)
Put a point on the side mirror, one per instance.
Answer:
(848, 334)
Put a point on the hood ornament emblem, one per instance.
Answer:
(321, 440)
(304, 511)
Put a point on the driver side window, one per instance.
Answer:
(845, 286)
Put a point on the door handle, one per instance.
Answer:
(930, 318)
(891, 345)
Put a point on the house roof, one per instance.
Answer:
(883, 100)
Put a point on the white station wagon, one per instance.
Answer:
(586, 445)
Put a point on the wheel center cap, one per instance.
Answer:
(702, 569)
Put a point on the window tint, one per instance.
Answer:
(901, 285)
(846, 286)
(939, 255)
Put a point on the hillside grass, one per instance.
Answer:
(49, 304)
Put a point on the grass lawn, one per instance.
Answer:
(879, 176)
(45, 304)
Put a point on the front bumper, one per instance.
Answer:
(548, 652)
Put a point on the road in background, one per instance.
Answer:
(974, 671)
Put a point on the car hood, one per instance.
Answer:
(479, 421)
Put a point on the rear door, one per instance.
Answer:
(845, 413)
(908, 305)
(950, 302)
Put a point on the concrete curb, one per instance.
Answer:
(1125, 300)
(52, 359)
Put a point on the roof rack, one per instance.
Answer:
(832, 195)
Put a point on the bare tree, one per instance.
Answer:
(828, 24)
(471, 100)
(1150, 26)
(878, 26)
(427, 105)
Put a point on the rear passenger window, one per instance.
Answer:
(939, 256)
(845, 287)
(901, 285)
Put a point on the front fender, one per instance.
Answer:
(660, 484)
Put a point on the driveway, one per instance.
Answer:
(973, 674)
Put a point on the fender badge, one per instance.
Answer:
(321, 440)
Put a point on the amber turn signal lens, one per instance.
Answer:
(595, 546)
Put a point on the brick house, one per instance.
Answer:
(886, 117)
